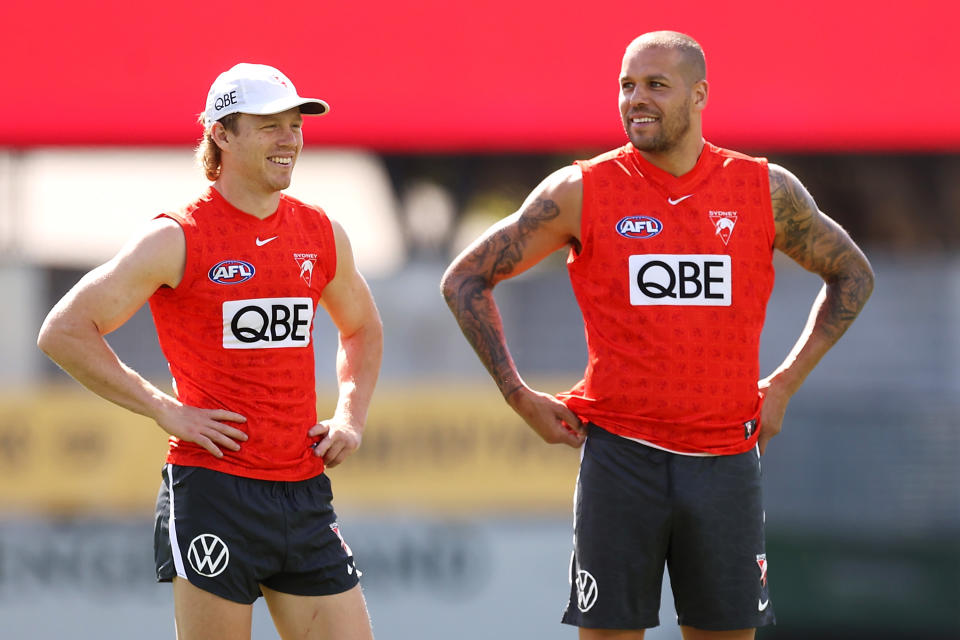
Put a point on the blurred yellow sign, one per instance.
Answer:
(434, 448)
(65, 450)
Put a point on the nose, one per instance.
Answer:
(636, 96)
(289, 136)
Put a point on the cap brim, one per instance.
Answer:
(309, 106)
(314, 107)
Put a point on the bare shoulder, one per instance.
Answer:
(346, 264)
(109, 294)
(558, 198)
(346, 278)
(164, 233)
(157, 253)
(565, 183)
(795, 214)
(791, 200)
(339, 233)
(347, 296)
(808, 235)
(548, 220)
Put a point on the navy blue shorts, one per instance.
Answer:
(228, 535)
(637, 509)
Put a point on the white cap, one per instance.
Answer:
(256, 89)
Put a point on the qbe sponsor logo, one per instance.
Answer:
(680, 280)
(233, 95)
(267, 323)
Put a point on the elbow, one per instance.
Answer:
(448, 285)
(48, 337)
(60, 334)
(869, 279)
(854, 285)
(459, 285)
(372, 331)
(864, 279)
(376, 329)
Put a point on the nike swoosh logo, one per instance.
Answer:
(679, 200)
(260, 242)
(761, 605)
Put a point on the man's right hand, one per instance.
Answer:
(205, 427)
(549, 417)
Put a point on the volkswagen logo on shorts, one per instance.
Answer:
(208, 555)
(586, 591)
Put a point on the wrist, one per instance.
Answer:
(784, 382)
(514, 395)
(348, 420)
(160, 404)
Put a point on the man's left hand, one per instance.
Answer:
(775, 400)
(338, 439)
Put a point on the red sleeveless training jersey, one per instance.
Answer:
(237, 330)
(673, 279)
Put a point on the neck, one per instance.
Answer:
(680, 159)
(239, 193)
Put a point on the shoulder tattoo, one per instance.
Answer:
(793, 210)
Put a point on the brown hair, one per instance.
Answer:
(696, 64)
(208, 153)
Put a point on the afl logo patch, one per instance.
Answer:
(231, 272)
(639, 227)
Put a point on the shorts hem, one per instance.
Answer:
(333, 590)
(169, 580)
(622, 626)
(728, 626)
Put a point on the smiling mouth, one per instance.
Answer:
(642, 119)
(283, 161)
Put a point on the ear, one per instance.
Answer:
(701, 91)
(220, 135)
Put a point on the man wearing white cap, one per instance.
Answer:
(233, 281)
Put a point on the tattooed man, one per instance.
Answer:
(670, 243)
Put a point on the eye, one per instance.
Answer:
(656, 84)
(626, 86)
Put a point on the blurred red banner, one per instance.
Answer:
(501, 75)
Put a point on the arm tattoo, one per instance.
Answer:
(468, 290)
(820, 245)
(793, 211)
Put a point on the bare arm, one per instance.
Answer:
(104, 299)
(348, 300)
(548, 220)
(821, 246)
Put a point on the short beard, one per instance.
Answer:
(671, 133)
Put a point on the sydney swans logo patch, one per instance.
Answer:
(351, 567)
(306, 262)
(762, 563)
(723, 222)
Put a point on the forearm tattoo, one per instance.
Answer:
(820, 245)
(468, 289)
